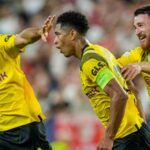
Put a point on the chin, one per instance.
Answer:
(67, 56)
(145, 47)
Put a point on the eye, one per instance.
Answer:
(140, 24)
(134, 27)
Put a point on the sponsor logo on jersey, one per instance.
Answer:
(3, 76)
(7, 38)
(96, 68)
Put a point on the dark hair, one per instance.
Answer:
(142, 10)
(75, 20)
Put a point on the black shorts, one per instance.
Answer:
(28, 137)
(139, 140)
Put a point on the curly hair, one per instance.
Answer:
(74, 20)
(142, 10)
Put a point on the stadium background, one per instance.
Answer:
(71, 123)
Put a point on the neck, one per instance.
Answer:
(81, 43)
(147, 50)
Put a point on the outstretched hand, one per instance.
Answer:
(131, 71)
(48, 24)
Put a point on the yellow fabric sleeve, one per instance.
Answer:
(103, 77)
(132, 56)
(7, 41)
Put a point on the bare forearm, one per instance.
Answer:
(140, 109)
(136, 94)
(117, 110)
(145, 66)
(27, 36)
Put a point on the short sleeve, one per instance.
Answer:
(132, 56)
(7, 41)
(92, 67)
(7, 45)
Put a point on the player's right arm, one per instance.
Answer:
(132, 70)
(132, 65)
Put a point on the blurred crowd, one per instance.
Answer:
(71, 123)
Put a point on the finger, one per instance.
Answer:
(46, 27)
(45, 31)
(53, 18)
(128, 78)
(132, 75)
(44, 38)
(126, 73)
(49, 20)
(48, 24)
(124, 69)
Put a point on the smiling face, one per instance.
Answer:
(64, 40)
(142, 30)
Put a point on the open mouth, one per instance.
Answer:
(58, 47)
(142, 38)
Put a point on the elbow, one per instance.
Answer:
(20, 42)
(121, 97)
(124, 97)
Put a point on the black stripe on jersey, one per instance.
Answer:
(91, 55)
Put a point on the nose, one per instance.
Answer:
(137, 31)
(55, 41)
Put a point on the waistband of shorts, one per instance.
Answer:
(134, 133)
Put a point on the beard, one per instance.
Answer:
(146, 44)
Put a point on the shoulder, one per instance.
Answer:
(137, 51)
(131, 56)
(6, 40)
(90, 55)
(6, 37)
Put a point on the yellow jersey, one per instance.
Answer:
(94, 61)
(134, 56)
(18, 104)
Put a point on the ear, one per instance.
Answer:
(73, 35)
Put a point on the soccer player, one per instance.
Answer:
(102, 82)
(138, 60)
(21, 126)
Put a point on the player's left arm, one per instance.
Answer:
(31, 35)
(97, 69)
(136, 93)
(132, 70)
(118, 96)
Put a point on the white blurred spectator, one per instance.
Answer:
(32, 6)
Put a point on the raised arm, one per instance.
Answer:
(31, 35)
(117, 108)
